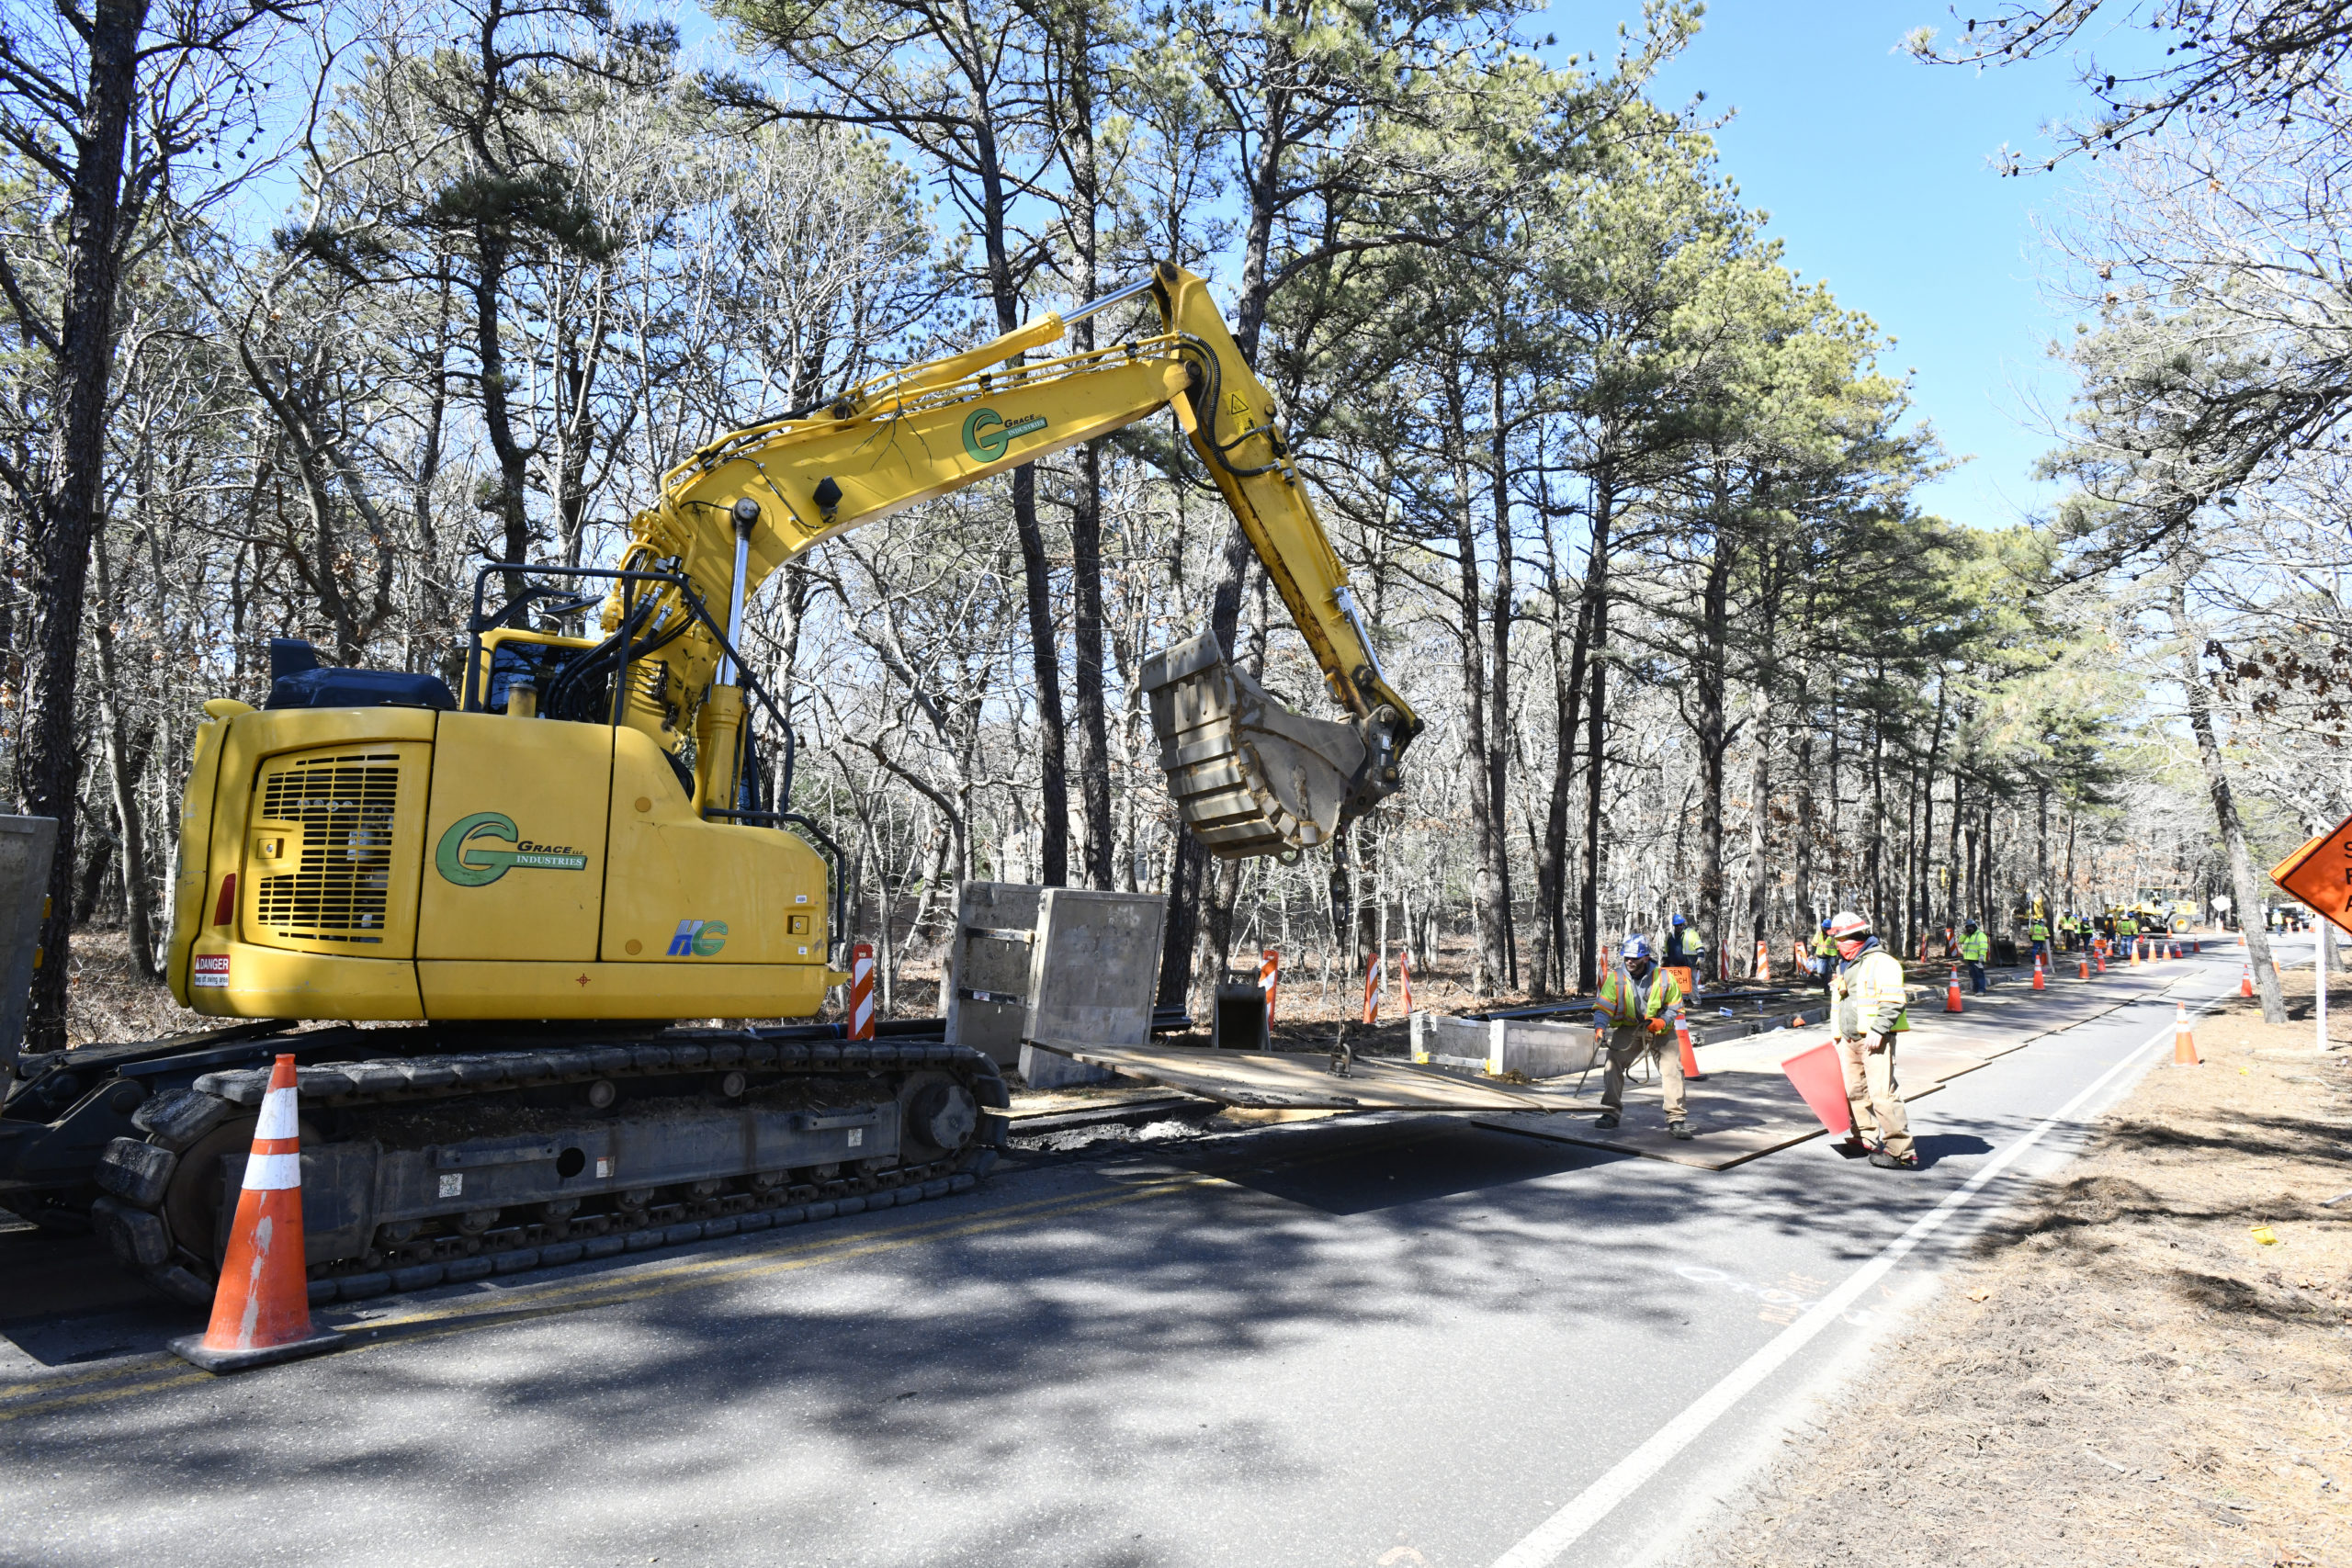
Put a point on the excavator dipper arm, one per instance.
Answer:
(1248, 776)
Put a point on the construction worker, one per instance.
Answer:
(1825, 955)
(1682, 946)
(1866, 1013)
(1975, 947)
(2127, 932)
(1638, 1001)
(2038, 932)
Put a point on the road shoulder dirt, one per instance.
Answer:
(2148, 1362)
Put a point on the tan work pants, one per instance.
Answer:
(1870, 1093)
(1626, 1047)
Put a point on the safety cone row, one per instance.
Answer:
(1689, 1058)
(1952, 992)
(2184, 1044)
(261, 1310)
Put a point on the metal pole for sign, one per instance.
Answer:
(2322, 964)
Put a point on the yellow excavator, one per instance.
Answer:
(594, 838)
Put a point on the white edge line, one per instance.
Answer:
(1546, 1543)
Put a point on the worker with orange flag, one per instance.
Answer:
(1867, 1003)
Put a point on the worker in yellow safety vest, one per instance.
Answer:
(1635, 1014)
(1825, 955)
(2039, 934)
(1867, 1011)
(1975, 947)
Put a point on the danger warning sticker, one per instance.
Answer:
(211, 971)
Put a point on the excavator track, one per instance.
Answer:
(429, 1169)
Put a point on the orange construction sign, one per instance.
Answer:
(2319, 873)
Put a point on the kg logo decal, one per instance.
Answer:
(985, 436)
(468, 857)
(698, 939)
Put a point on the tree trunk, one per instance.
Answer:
(1498, 723)
(1709, 724)
(1086, 505)
(68, 516)
(1567, 693)
(123, 776)
(1596, 715)
(1486, 831)
(2245, 891)
(1760, 828)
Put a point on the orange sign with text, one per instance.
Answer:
(2319, 873)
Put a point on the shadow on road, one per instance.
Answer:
(1937, 1146)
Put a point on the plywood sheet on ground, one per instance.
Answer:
(1302, 1082)
(1745, 1106)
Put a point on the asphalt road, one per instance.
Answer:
(1381, 1341)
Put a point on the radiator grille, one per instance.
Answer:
(342, 882)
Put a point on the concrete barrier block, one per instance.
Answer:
(1532, 1048)
(1051, 1069)
(1539, 1050)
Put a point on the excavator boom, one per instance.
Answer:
(1249, 777)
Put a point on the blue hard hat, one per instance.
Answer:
(1825, 923)
(1677, 920)
(1636, 947)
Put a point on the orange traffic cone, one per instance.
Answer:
(2037, 974)
(1689, 1058)
(2102, 961)
(261, 1311)
(2086, 964)
(2246, 979)
(1952, 992)
(2184, 1044)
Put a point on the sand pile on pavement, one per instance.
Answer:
(2149, 1363)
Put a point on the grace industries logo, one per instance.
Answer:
(698, 939)
(985, 436)
(468, 857)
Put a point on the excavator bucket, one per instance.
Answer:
(1248, 776)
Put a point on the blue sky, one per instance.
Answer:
(1874, 170)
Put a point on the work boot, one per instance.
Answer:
(1678, 1129)
(1608, 1120)
(1885, 1161)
